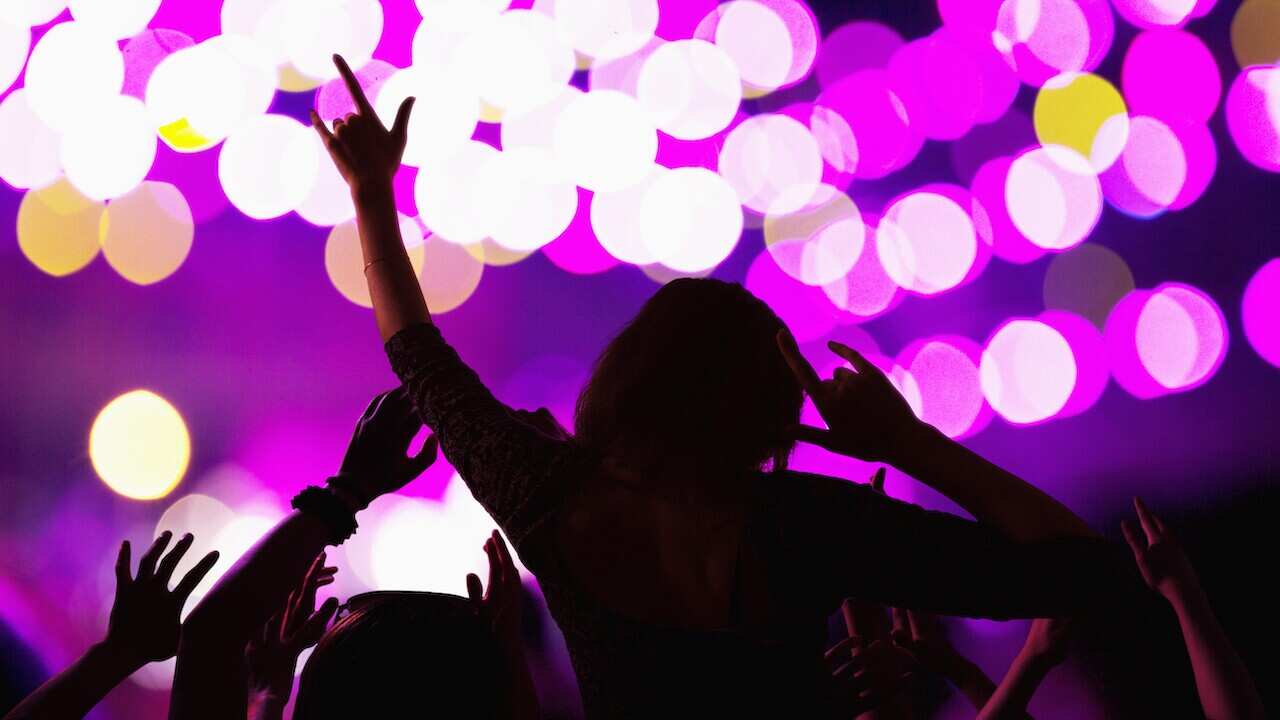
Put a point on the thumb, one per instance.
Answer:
(475, 591)
(400, 128)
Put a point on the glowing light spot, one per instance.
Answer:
(1201, 153)
(606, 30)
(1043, 38)
(577, 250)
(28, 148)
(939, 84)
(1151, 172)
(15, 42)
(442, 123)
(108, 155)
(450, 274)
(623, 73)
(773, 162)
(204, 517)
(854, 46)
(926, 243)
(144, 52)
(617, 220)
(344, 261)
(1087, 280)
(1092, 372)
(269, 166)
(691, 89)
(530, 202)
(30, 13)
(1254, 39)
(836, 142)
(605, 141)
(989, 188)
(804, 309)
(757, 39)
(1181, 337)
(495, 255)
(878, 120)
(147, 233)
(535, 128)
(1083, 112)
(866, 291)
(1053, 197)
(945, 374)
(818, 244)
(1155, 13)
(690, 219)
(334, 101)
(459, 14)
(328, 202)
(1171, 75)
(139, 445)
(117, 19)
(1253, 115)
(1028, 371)
(316, 29)
(450, 196)
(58, 228)
(71, 71)
(1261, 321)
(515, 62)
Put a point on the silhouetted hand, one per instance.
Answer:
(365, 152)
(864, 676)
(1048, 640)
(1163, 564)
(376, 462)
(922, 636)
(146, 616)
(273, 657)
(866, 415)
(500, 601)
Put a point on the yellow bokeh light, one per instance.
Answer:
(344, 261)
(491, 253)
(1085, 113)
(291, 80)
(147, 234)
(58, 228)
(139, 445)
(450, 274)
(1255, 33)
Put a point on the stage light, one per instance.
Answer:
(515, 62)
(605, 141)
(690, 88)
(820, 243)
(118, 19)
(344, 260)
(1089, 349)
(529, 201)
(269, 165)
(1028, 371)
(1151, 172)
(139, 445)
(1171, 75)
(328, 202)
(926, 242)
(58, 228)
(450, 198)
(450, 274)
(1181, 336)
(868, 102)
(939, 84)
(757, 39)
(15, 43)
(30, 13)
(1155, 13)
(1088, 281)
(146, 234)
(1254, 39)
(1083, 112)
(28, 148)
(1253, 115)
(144, 52)
(1258, 311)
(606, 30)
(690, 219)
(945, 372)
(1053, 197)
(859, 45)
(107, 155)
(773, 162)
(72, 70)
(804, 308)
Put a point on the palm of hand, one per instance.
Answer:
(146, 620)
(376, 455)
(1165, 567)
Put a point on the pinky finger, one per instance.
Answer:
(193, 578)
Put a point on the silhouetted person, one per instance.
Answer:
(688, 579)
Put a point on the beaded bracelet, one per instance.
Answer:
(332, 511)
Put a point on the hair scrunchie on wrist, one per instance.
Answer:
(335, 514)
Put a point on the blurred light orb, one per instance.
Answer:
(333, 99)
(1201, 153)
(1181, 336)
(690, 219)
(146, 234)
(690, 88)
(344, 259)
(58, 228)
(1155, 13)
(30, 13)
(757, 39)
(606, 30)
(1171, 75)
(1254, 39)
(866, 291)
(836, 143)
(72, 70)
(451, 198)
(117, 19)
(945, 373)
(107, 155)
(990, 189)
(773, 162)
(317, 29)
(803, 308)
(515, 62)
(328, 202)
(204, 517)
(605, 141)
(1083, 112)
(269, 165)
(450, 274)
(144, 52)
(858, 45)
(618, 222)
(1151, 172)
(28, 148)
(877, 119)
(820, 243)
(926, 242)
(622, 74)
(459, 15)
(939, 84)
(443, 120)
(1028, 371)
(15, 42)
(530, 202)
(139, 445)
(577, 250)
(1053, 197)
(535, 128)
(1092, 367)
(1087, 280)
(1042, 38)
(1259, 311)
(1253, 115)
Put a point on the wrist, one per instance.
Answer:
(366, 190)
(1037, 662)
(913, 442)
(116, 655)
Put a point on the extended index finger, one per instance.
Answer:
(353, 86)
(804, 372)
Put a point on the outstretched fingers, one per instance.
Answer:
(123, 562)
(193, 577)
(353, 87)
(170, 561)
(800, 367)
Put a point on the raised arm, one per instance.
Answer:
(1045, 648)
(868, 419)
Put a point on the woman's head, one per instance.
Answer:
(406, 654)
(695, 377)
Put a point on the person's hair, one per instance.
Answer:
(696, 377)
(406, 654)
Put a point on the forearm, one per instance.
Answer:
(1010, 699)
(971, 681)
(1222, 680)
(393, 284)
(991, 494)
(73, 692)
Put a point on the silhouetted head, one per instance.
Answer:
(406, 654)
(695, 378)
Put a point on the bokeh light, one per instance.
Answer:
(1083, 112)
(1089, 349)
(58, 228)
(1253, 115)
(605, 141)
(147, 234)
(536, 127)
(858, 45)
(15, 42)
(1170, 339)
(577, 250)
(529, 201)
(1044, 38)
(690, 219)
(820, 243)
(1053, 197)
(1201, 153)
(441, 123)
(450, 196)
(328, 202)
(939, 84)
(269, 165)
(71, 71)
(144, 52)
(990, 188)
(1171, 75)
(30, 13)
(344, 259)
(1259, 311)
(618, 224)
(108, 154)
(1088, 281)
(459, 14)
(1155, 13)
(117, 19)
(805, 309)
(945, 373)
(28, 148)
(690, 88)
(313, 31)
(606, 30)
(758, 40)
(773, 162)
(1009, 135)
(868, 102)
(866, 291)
(1028, 371)
(334, 101)
(1254, 39)
(622, 74)
(139, 445)
(515, 62)
(1151, 171)
(450, 274)
(926, 242)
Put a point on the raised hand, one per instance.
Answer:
(376, 462)
(500, 604)
(1163, 564)
(272, 657)
(866, 415)
(863, 676)
(1048, 640)
(363, 149)
(146, 615)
